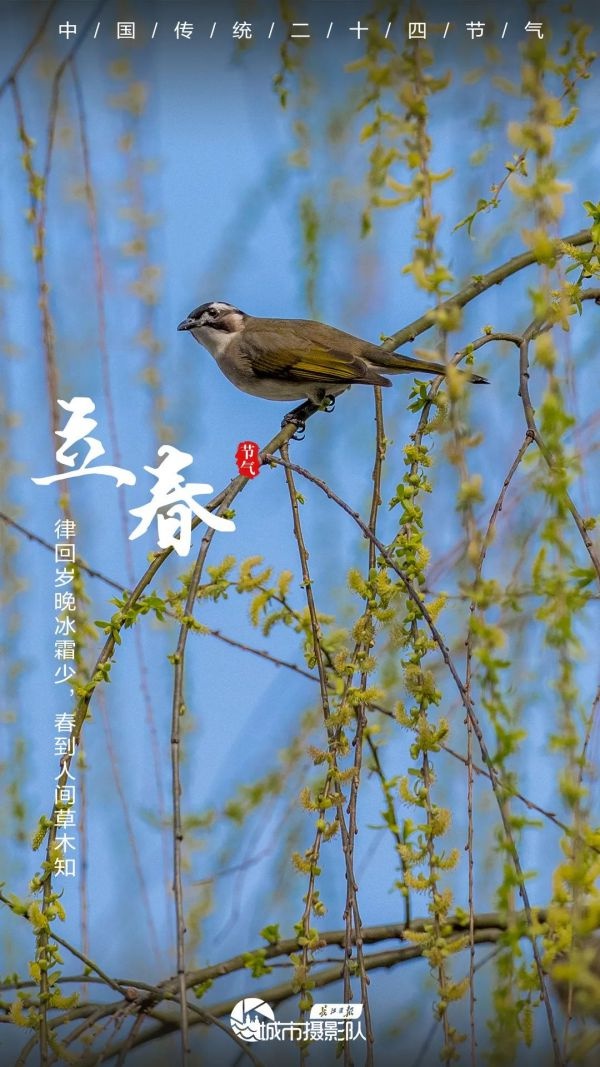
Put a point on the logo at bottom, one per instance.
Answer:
(252, 1019)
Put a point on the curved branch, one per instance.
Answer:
(480, 284)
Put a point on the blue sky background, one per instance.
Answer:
(210, 169)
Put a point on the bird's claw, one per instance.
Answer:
(294, 420)
(329, 403)
(297, 417)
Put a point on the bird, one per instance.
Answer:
(296, 359)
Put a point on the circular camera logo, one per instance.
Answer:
(247, 1016)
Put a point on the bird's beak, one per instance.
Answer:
(187, 324)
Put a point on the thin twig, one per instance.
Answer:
(532, 331)
(333, 775)
(108, 392)
(468, 678)
(361, 717)
(178, 709)
(37, 36)
(129, 829)
(71, 948)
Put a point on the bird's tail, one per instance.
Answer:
(399, 364)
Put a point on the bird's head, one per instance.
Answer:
(215, 321)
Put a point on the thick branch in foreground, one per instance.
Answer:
(488, 929)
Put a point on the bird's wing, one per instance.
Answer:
(304, 360)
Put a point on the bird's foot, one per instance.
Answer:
(292, 420)
(297, 417)
(328, 403)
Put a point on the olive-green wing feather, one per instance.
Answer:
(304, 359)
(353, 359)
